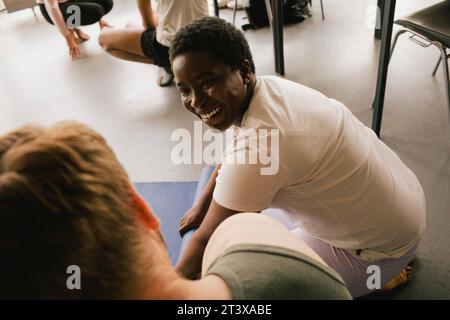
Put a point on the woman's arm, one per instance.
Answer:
(148, 19)
(52, 7)
(194, 217)
(190, 263)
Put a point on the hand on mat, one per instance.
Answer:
(191, 219)
(74, 48)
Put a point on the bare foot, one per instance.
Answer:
(103, 24)
(402, 278)
(82, 36)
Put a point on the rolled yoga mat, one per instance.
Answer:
(202, 182)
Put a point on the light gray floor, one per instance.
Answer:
(338, 56)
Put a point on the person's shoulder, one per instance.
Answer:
(269, 91)
(273, 80)
(281, 90)
(268, 82)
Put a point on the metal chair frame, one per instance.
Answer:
(426, 42)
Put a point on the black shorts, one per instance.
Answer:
(91, 10)
(154, 50)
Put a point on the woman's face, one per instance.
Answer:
(211, 89)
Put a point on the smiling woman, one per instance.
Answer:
(216, 82)
(356, 201)
(216, 93)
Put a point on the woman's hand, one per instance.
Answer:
(72, 43)
(192, 219)
(190, 264)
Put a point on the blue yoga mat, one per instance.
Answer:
(169, 201)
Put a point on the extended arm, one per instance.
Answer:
(148, 19)
(191, 261)
(194, 217)
(57, 18)
(241, 187)
(55, 14)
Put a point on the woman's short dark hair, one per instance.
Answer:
(213, 35)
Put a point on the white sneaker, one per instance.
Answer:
(240, 4)
(165, 78)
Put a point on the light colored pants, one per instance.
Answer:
(356, 272)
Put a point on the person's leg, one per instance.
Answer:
(82, 36)
(104, 24)
(356, 272)
(90, 12)
(106, 4)
(166, 76)
(45, 13)
(124, 44)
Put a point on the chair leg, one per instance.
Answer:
(321, 6)
(437, 66)
(216, 8)
(234, 11)
(438, 63)
(446, 75)
(400, 32)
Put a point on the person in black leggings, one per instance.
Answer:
(61, 12)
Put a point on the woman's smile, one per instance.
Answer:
(211, 89)
(210, 118)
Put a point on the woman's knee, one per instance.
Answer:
(105, 40)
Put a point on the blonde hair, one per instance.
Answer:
(65, 200)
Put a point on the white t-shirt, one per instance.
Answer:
(175, 14)
(328, 172)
